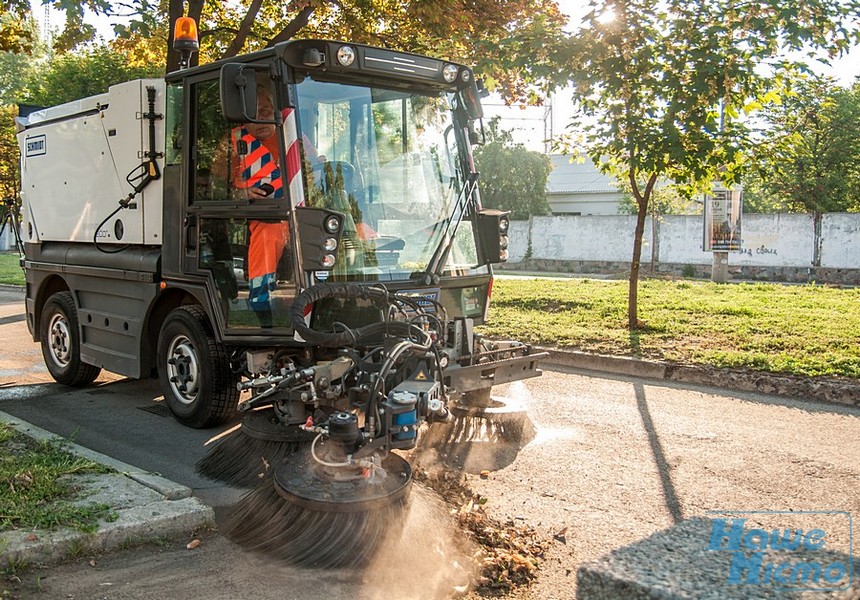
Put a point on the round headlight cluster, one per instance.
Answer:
(345, 55)
(449, 72)
(327, 261)
(332, 224)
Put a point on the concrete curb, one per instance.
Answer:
(831, 391)
(146, 505)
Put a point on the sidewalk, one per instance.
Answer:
(147, 507)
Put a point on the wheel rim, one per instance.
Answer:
(60, 340)
(183, 369)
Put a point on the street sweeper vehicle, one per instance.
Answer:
(295, 235)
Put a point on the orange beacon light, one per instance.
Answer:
(185, 39)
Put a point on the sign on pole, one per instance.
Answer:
(723, 210)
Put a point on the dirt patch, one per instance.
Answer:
(508, 555)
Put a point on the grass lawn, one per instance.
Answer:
(10, 271)
(802, 330)
(32, 491)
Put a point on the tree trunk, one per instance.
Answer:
(655, 237)
(642, 197)
(293, 27)
(633, 291)
(175, 9)
(244, 29)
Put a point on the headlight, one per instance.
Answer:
(465, 75)
(503, 255)
(450, 73)
(328, 261)
(332, 224)
(504, 225)
(345, 55)
(503, 241)
(330, 244)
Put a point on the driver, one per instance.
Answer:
(258, 174)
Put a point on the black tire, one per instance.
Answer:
(194, 370)
(60, 335)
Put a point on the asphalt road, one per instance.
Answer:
(613, 461)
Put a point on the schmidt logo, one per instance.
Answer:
(35, 145)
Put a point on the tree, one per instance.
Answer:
(80, 74)
(16, 29)
(650, 80)
(810, 157)
(512, 178)
(9, 179)
(470, 32)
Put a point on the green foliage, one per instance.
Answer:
(471, 32)
(662, 90)
(809, 161)
(757, 198)
(32, 491)
(512, 178)
(665, 200)
(9, 179)
(80, 74)
(803, 330)
(16, 71)
(17, 30)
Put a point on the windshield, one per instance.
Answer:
(388, 160)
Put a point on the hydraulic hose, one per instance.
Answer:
(349, 337)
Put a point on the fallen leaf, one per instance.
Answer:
(32, 537)
(193, 544)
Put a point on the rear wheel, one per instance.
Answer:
(59, 333)
(194, 370)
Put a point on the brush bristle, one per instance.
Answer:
(264, 521)
(241, 460)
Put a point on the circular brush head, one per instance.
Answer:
(250, 453)
(312, 518)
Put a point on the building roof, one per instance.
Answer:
(577, 177)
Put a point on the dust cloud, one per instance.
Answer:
(427, 558)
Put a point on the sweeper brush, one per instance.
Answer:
(324, 420)
(317, 516)
(250, 451)
(485, 433)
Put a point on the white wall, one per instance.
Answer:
(592, 238)
(840, 241)
(778, 240)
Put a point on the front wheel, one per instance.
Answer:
(59, 334)
(194, 370)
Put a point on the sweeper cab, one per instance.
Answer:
(295, 235)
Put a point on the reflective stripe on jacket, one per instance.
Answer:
(256, 164)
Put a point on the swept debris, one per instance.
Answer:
(508, 554)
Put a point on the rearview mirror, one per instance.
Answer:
(238, 93)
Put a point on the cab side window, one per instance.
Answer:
(210, 146)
